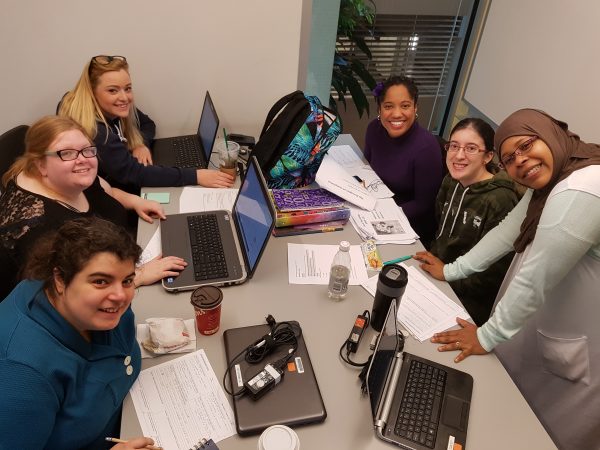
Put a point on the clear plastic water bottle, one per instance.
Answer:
(340, 272)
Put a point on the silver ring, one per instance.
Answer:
(458, 345)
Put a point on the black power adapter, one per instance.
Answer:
(351, 344)
(356, 334)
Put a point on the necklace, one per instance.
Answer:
(57, 198)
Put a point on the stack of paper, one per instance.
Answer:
(386, 224)
(181, 401)
(424, 309)
(336, 179)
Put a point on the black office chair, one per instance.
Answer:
(12, 145)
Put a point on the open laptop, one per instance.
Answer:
(295, 401)
(221, 247)
(193, 150)
(416, 403)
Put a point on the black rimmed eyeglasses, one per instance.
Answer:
(70, 154)
(470, 149)
(522, 149)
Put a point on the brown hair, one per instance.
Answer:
(38, 139)
(71, 247)
(81, 105)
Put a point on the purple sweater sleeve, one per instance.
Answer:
(428, 175)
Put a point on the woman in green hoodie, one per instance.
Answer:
(472, 200)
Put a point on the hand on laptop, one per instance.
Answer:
(158, 268)
(143, 155)
(214, 178)
(465, 340)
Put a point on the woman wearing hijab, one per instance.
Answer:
(544, 327)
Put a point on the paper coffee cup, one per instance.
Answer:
(279, 437)
(207, 305)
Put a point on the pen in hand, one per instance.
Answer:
(124, 441)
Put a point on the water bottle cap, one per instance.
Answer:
(345, 246)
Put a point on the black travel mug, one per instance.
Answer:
(390, 286)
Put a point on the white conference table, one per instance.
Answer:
(499, 418)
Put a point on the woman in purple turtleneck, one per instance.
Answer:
(405, 155)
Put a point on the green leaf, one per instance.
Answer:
(363, 73)
(360, 100)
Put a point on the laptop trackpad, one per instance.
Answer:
(455, 413)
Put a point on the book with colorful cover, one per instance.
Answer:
(320, 227)
(286, 219)
(301, 199)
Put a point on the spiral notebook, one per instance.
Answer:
(295, 401)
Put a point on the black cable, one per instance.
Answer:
(281, 333)
(346, 345)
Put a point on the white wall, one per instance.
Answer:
(246, 53)
(541, 54)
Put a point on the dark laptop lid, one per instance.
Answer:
(208, 126)
(295, 401)
(254, 216)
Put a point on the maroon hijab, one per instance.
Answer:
(569, 154)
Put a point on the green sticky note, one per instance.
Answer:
(160, 197)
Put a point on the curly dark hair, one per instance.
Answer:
(398, 80)
(70, 248)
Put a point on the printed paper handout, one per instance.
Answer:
(385, 224)
(424, 309)
(348, 159)
(336, 179)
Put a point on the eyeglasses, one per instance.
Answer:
(69, 154)
(522, 149)
(470, 149)
(105, 59)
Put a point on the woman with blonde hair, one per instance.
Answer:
(102, 102)
(55, 181)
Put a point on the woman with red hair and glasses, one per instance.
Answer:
(544, 327)
(102, 102)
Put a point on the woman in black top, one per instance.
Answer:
(54, 181)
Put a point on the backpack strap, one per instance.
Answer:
(276, 108)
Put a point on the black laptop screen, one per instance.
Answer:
(207, 129)
(253, 216)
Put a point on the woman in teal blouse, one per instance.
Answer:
(68, 353)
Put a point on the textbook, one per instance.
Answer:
(302, 199)
(308, 228)
(286, 219)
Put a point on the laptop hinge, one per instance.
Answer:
(383, 410)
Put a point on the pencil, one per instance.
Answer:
(123, 441)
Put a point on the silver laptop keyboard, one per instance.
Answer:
(187, 152)
(207, 249)
(421, 403)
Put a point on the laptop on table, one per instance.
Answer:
(192, 150)
(221, 248)
(295, 401)
(416, 403)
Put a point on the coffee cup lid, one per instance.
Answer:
(206, 297)
(279, 437)
(394, 276)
